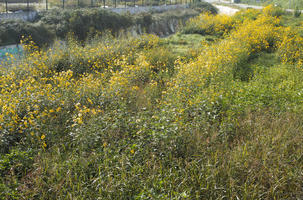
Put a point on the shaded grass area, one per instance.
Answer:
(182, 44)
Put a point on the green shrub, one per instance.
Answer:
(56, 22)
(275, 11)
(278, 11)
(161, 60)
(13, 166)
(14, 8)
(207, 24)
(249, 13)
(11, 32)
(203, 6)
(297, 12)
(81, 22)
(16, 162)
(144, 19)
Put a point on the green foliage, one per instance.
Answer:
(242, 15)
(84, 23)
(16, 162)
(277, 11)
(297, 12)
(203, 7)
(8, 191)
(12, 31)
(207, 24)
(144, 19)
(81, 22)
(13, 167)
(186, 45)
(104, 52)
(14, 8)
(161, 60)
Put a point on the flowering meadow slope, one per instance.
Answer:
(128, 119)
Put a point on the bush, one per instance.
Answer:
(11, 32)
(161, 60)
(144, 19)
(297, 12)
(203, 7)
(82, 22)
(207, 24)
(16, 162)
(290, 48)
(14, 8)
(274, 11)
(248, 14)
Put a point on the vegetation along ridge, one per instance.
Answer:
(212, 112)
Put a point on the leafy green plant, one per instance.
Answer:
(12, 31)
(14, 8)
(16, 162)
(297, 12)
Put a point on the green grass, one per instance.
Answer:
(182, 44)
(295, 22)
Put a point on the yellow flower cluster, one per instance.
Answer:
(64, 87)
(218, 60)
(52, 89)
(211, 24)
(128, 80)
(290, 48)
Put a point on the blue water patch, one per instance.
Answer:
(15, 50)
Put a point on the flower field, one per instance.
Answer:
(129, 118)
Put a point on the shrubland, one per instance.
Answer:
(86, 23)
(129, 118)
(203, 7)
(57, 23)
